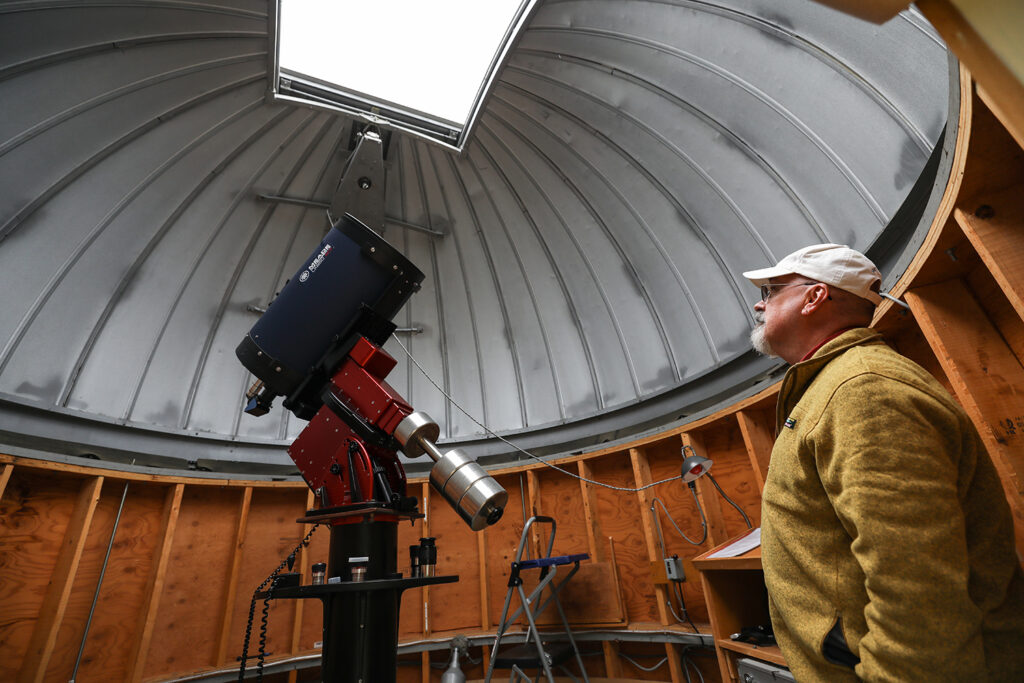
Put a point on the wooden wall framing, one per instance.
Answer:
(189, 552)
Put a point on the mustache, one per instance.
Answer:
(759, 317)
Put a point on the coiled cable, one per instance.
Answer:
(266, 612)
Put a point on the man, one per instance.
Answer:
(887, 541)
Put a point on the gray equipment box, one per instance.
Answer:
(756, 671)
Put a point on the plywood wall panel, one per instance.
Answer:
(120, 603)
(560, 498)
(410, 614)
(733, 472)
(312, 612)
(272, 533)
(34, 515)
(501, 542)
(185, 633)
(409, 669)
(69, 638)
(453, 605)
(619, 511)
(646, 655)
(665, 461)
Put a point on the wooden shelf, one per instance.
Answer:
(737, 599)
(768, 653)
(748, 560)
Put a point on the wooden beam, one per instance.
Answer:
(147, 619)
(426, 589)
(481, 555)
(612, 666)
(759, 437)
(996, 107)
(485, 599)
(304, 563)
(5, 476)
(58, 591)
(534, 506)
(227, 609)
(978, 34)
(161, 479)
(707, 495)
(985, 375)
(593, 524)
(996, 230)
(642, 477)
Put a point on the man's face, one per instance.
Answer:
(774, 314)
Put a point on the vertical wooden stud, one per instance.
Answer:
(708, 500)
(232, 577)
(293, 675)
(426, 534)
(140, 649)
(5, 476)
(985, 375)
(642, 477)
(485, 601)
(594, 537)
(590, 511)
(999, 241)
(758, 437)
(533, 493)
(58, 591)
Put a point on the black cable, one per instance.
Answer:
(262, 654)
(731, 502)
(266, 609)
(682, 604)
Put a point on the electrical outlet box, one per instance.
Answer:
(674, 569)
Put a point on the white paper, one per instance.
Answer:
(748, 542)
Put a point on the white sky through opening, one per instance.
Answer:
(428, 56)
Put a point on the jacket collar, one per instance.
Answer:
(800, 375)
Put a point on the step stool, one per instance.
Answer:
(536, 652)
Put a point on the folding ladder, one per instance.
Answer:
(540, 654)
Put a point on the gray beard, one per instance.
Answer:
(758, 340)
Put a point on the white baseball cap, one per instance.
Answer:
(834, 264)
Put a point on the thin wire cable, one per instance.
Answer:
(703, 521)
(686, 661)
(661, 662)
(685, 619)
(682, 604)
(521, 450)
(731, 502)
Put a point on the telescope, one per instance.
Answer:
(320, 346)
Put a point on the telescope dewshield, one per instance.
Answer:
(352, 267)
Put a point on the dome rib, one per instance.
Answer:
(541, 329)
(583, 253)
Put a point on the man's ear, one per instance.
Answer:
(814, 298)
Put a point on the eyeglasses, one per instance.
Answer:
(766, 290)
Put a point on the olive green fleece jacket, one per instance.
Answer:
(884, 518)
